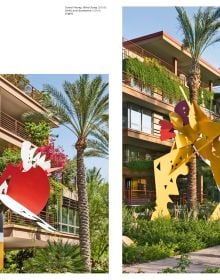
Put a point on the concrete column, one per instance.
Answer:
(211, 86)
(175, 66)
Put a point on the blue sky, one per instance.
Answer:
(66, 139)
(139, 21)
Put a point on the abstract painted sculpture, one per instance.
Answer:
(194, 133)
(25, 188)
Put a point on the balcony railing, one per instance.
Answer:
(159, 95)
(141, 197)
(12, 218)
(13, 125)
(144, 89)
(32, 92)
(138, 197)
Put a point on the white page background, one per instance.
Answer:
(37, 38)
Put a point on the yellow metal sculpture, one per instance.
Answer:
(195, 133)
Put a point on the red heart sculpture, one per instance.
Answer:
(31, 188)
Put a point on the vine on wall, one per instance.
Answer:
(152, 74)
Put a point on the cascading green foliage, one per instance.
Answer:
(19, 80)
(56, 190)
(139, 165)
(205, 98)
(39, 132)
(9, 155)
(152, 74)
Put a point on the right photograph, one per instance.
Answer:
(171, 139)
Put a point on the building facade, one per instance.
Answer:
(19, 232)
(153, 68)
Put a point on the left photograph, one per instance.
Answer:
(54, 212)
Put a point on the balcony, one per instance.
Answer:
(133, 50)
(12, 218)
(138, 197)
(156, 99)
(13, 128)
(142, 197)
(143, 125)
(23, 233)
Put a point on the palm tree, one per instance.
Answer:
(82, 107)
(198, 34)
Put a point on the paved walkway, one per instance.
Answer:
(200, 260)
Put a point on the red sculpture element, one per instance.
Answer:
(167, 130)
(31, 188)
(25, 188)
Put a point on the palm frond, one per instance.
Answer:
(186, 27)
(82, 106)
(98, 146)
(94, 175)
(200, 32)
(61, 108)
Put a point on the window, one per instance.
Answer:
(125, 116)
(146, 122)
(137, 153)
(69, 220)
(64, 215)
(135, 118)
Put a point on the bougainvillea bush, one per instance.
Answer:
(55, 154)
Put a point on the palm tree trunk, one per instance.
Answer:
(192, 186)
(84, 232)
(194, 85)
(194, 82)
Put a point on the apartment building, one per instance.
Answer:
(19, 232)
(153, 68)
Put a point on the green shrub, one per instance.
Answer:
(99, 221)
(212, 270)
(129, 221)
(139, 165)
(182, 236)
(137, 253)
(58, 257)
(181, 267)
(13, 260)
(189, 242)
(152, 232)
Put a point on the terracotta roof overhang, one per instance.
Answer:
(167, 48)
